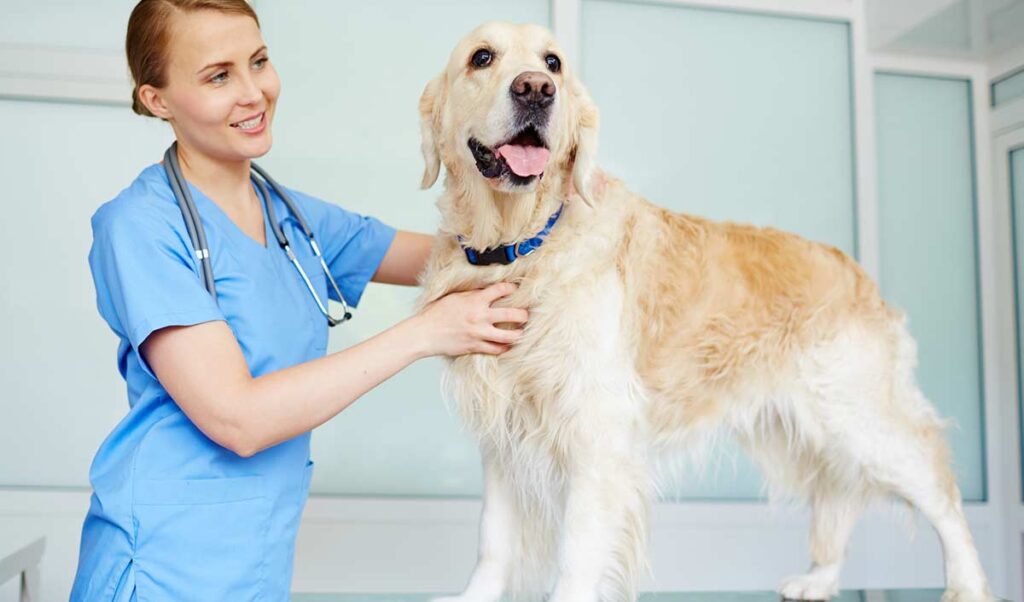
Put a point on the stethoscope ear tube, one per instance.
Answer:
(191, 216)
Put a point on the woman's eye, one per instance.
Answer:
(219, 77)
(482, 58)
(553, 62)
(260, 63)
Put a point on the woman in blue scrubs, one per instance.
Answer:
(198, 491)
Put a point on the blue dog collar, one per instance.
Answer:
(506, 254)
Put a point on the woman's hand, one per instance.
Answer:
(464, 322)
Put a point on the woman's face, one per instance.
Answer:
(221, 88)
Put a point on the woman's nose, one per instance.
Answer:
(251, 91)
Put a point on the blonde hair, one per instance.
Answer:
(149, 34)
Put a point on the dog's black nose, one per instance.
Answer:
(533, 90)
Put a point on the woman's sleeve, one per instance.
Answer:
(353, 245)
(144, 274)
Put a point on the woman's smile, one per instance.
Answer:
(252, 126)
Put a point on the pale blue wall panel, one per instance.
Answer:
(1017, 200)
(731, 116)
(1008, 88)
(928, 248)
(726, 115)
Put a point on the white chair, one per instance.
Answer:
(20, 559)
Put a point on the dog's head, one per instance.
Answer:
(509, 111)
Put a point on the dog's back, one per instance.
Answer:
(718, 308)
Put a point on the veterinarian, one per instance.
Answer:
(198, 491)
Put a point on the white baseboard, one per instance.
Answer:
(430, 546)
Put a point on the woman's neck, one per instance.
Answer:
(224, 182)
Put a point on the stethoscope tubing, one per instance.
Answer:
(188, 210)
(197, 233)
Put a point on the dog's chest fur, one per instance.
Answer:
(530, 402)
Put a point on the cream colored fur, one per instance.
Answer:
(649, 330)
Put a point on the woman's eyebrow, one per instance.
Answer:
(229, 63)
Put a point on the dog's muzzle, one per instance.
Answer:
(523, 157)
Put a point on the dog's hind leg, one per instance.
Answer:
(499, 532)
(918, 470)
(875, 432)
(897, 447)
(834, 513)
(916, 466)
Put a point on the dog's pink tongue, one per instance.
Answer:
(525, 160)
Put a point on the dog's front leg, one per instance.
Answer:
(604, 534)
(498, 525)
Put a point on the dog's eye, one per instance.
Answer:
(554, 64)
(482, 58)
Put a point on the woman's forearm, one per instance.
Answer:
(405, 259)
(286, 403)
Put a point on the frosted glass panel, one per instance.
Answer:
(726, 115)
(928, 249)
(1008, 89)
(62, 393)
(1017, 196)
(347, 130)
(731, 116)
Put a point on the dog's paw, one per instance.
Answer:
(812, 586)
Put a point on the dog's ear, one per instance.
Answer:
(430, 122)
(584, 140)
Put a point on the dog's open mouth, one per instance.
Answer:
(523, 157)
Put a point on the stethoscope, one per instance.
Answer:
(198, 236)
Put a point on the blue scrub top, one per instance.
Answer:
(173, 515)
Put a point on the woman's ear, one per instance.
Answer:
(153, 100)
(430, 126)
(584, 140)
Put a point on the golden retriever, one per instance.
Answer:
(649, 329)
